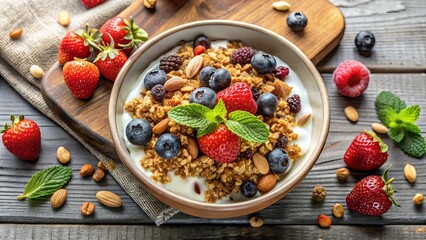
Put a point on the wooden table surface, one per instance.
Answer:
(398, 64)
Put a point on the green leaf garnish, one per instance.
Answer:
(191, 115)
(409, 114)
(387, 99)
(247, 126)
(46, 182)
(414, 145)
(207, 129)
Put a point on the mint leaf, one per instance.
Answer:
(207, 129)
(46, 182)
(218, 114)
(247, 126)
(396, 133)
(414, 145)
(390, 117)
(409, 114)
(411, 127)
(191, 115)
(387, 100)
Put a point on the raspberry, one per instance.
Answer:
(294, 103)
(282, 142)
(238, 97)
(242, 55)
(170, 63)
(255, 93)
(351, 78)
(281, 72)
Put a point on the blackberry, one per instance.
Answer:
(281, 72)
(282, 142)
(255, 93)
(158, 92)
(170, 63)
(242, 55)
(294, 103)
(247, 154)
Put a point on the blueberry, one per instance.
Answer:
(221, 79)
(263, 63)
(167, 146)
(278, 160)
(365, 41)
(205, 75)
(202, 40)
(158, 92)
(248, 189)
(267, 104)
(204, 96)
(139, 131)
(154, 77)
(297, 21)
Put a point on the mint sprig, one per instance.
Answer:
(46, 182)
(394, 113)
(206, 120)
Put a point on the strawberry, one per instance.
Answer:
(367, 152)
(125, 33)
(23, 138)
(78, 44)
(198, 50)
(110, 61)
(238, 97)
(372, 195)
(351, 78)
(221, 145)
(81, 77)
(91, 3)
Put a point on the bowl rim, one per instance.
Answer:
(243, 207)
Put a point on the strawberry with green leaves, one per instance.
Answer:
(125, 33)
(91, 3)
(22, 138)
(81, 77)
(238, 96)
(219, 133)
(78, 44)
(110, 61)
(372, 196)
(367, 152)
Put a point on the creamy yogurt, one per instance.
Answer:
(186, 187)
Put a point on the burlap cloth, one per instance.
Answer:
(39, 45)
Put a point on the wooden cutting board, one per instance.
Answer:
(89, 118)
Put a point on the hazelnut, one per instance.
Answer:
(342, 174)
(256, 222)
(418, 199)
(338, 210)
(319, 194)
(324, 221)
(87, 208)
(101, 166)
(86, 170)
(98, 175)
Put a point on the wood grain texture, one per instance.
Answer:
(112, 232)
(89, 117)
(296, 208)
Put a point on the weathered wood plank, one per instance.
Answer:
(129, 232)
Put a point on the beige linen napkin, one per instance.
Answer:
(39, 45)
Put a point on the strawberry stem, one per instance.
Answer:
(388, 187)
(383, 146)
(14, 121)
(135, 34)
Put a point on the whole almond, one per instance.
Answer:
(303, 119)
(58, 198)
(16, 33)
(87, 208)
(109, 199)
(192, 148)
(261, 163)
(63, 155)
(174, 84)
(36, 71)
(194, 66)
(281, 89)
(266, 183)
(351, 113)
(161, 126)
(410, 173)
(281, 6)
(64, 18)
(379, 128)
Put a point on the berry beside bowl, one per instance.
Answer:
(224, 142)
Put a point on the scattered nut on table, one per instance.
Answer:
(63, 155)
(338, 210)
(58, 198)
(281, 6)
(109, 199)
(351, 113)
(16, 33)
(319, 193)
(324, 221)
(64, 18)
(410, 173)
(149, 3)
(98, 175)
(101, 166)
(418, 199)
(36, 71)
(86, 170)
(342, 174)
(87, 208)
(256, 222)
(379, 128)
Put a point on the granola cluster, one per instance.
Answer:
(221, 178)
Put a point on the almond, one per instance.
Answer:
(194, 66)
(351, 113)
(303, 119)
(281, 89)
(410, 173)
(192, 148)
(281, 6)
(261, 163)
(379, 128)
(161, 126)
(174, 84)
(58, 198)
(324, 221)
(266, 183)
(36, 71)
(16, 33)
(64, 18)
(63, 155)
(109, 199)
